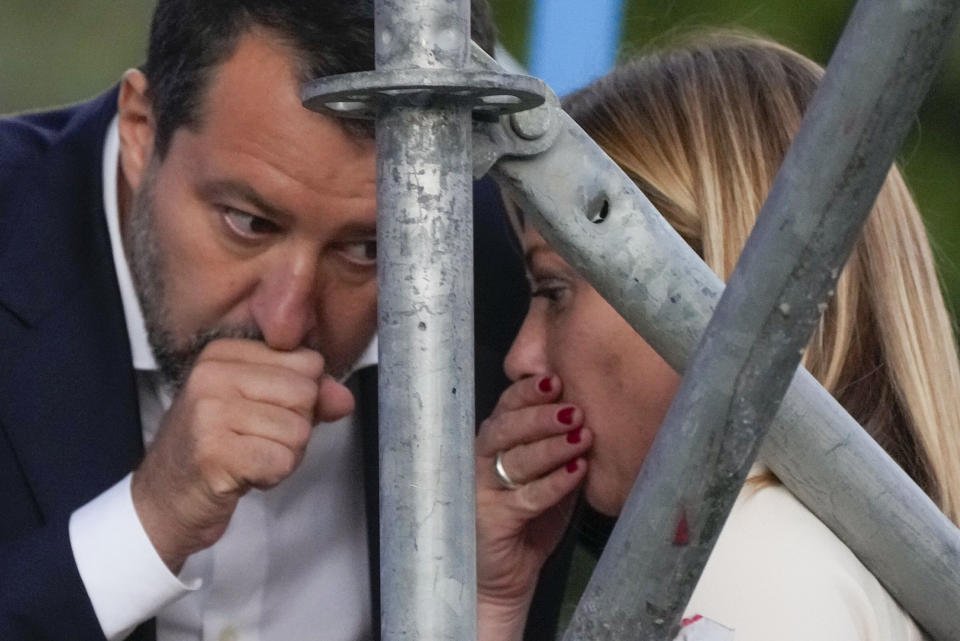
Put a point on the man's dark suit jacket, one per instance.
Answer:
(69, 419)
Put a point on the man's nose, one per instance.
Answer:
(284, 304)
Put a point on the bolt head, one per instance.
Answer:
(533, 123)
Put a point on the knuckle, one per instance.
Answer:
(300, 395)
(221, 485)
(547, 416)
(210, 350)
(219, 348)
(300, 430)
(313, 362)
(485, 427)
(206, 451)
(270, 465)
(307, 390)
(284, 464)
(497, 435)
(526, 499)
(204, 375)
(207, 410)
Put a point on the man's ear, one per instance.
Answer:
(137, 127)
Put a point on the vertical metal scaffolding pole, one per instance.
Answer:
(424, 97)
(425, 245)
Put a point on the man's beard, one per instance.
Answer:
(145, 256)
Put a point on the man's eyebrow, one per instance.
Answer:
(359, 230)
(238, 189)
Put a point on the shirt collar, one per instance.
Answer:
(369, 358)
(136, 329)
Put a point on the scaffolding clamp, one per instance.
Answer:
(514, 115)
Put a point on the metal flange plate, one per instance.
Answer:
(358, 95)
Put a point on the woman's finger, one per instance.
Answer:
(536, 497)
(525, 463)
(506, 430)
(532, 390)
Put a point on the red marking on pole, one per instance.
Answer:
(681, 536)
(691, 620)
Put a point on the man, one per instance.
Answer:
(187, 279)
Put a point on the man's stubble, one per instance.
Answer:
(150, 276)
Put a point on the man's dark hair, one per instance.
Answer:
(190, 38)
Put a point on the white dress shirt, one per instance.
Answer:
(293, 561)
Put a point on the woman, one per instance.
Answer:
(702, 128)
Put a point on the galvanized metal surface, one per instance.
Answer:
(425, 238)
(650, 275)
(763, 321)
(530, 132)
(358, 95)
(489, 91)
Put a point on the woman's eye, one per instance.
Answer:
(247, 225)
(360, 252)
(552, 290)
(550, 293)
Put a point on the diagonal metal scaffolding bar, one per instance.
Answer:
(597, 219)
(425, 270)
(766, 315)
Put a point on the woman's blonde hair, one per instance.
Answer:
(702, 128)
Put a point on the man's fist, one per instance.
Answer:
(242, 420)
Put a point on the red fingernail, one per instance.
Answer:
(573, 436)
(572, 466)
(565, 416)
(545, 385)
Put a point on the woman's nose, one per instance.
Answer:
(527, 355)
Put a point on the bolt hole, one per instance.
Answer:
(601, 214)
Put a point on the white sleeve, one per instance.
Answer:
(125, 578)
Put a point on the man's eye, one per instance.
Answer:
(360, 252)
(247, 225)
